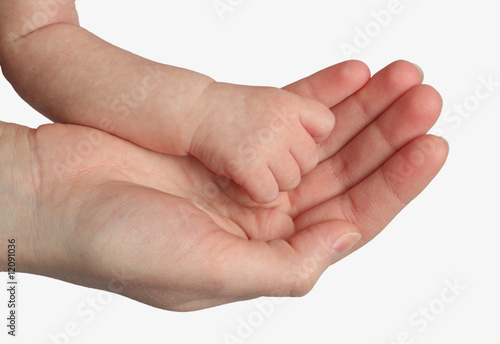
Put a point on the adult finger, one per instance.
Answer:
(332, 85)
(374, 202)
(408, 118)
(358, 111)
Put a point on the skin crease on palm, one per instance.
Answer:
(183, 238)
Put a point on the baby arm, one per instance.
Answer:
(73, 76)
(263, 138)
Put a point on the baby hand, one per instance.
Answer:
(261, 137)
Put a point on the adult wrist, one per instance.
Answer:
(18, 185)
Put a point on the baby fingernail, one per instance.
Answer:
(345, 243)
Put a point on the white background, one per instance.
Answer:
(449, 233)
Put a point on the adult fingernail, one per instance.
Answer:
(445, 141)
(345, 243)
(420, 71)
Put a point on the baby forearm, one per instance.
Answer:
(70, 75)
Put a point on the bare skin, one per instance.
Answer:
(93, 209)
(75, 77)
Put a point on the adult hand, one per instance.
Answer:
(101, 212)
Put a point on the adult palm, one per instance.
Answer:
(168, 232)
